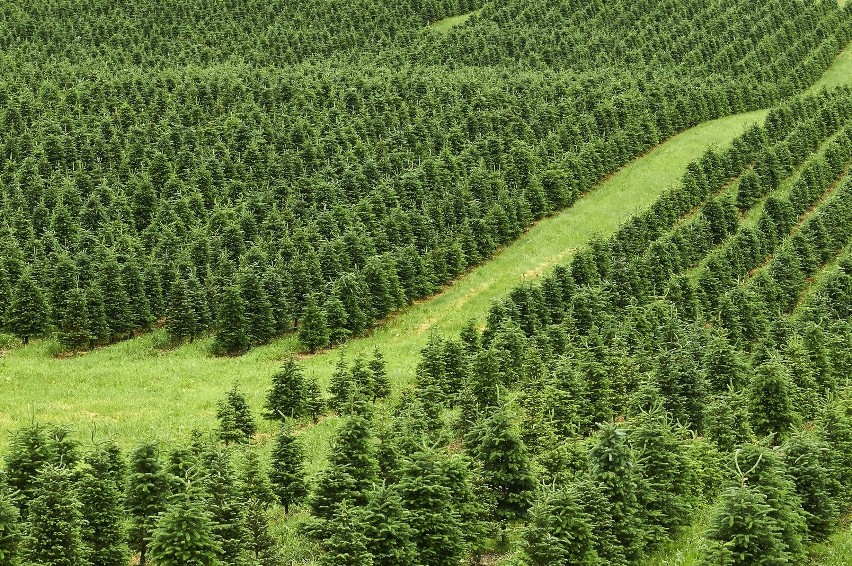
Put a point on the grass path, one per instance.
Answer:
(447, 24)
(133, 390)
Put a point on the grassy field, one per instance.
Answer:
(135, 390)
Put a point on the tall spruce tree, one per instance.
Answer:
(613, 465)
(381, 386)
(231, 334)
(27, 316)
(346, 544)
(185, 534)
(54, 521)
(286, 398)
(287, 473)
(313, 333)
(385, 527)
(74, 327)
(103, 531)
(771, 401)
(25, 458)
(147, 493)
(560, 531)
(223, 503)
(10, 529)
(506, 467)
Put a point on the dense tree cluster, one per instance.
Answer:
(161, 165)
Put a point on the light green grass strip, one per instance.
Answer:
(131, 391)
(447, 24)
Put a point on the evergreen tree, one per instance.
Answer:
(352, 450)
(506, 467)
(436, 530)
(147, 492)
(229, 431)
(259, 542)
(27, 316)
(115, 297)
(10, 529)
(727, 421)
(742, 532)
(185, 535)
(346, 544)
(103, 530)
(381, 386)
(763, 469)
(666, 495)
(803, 455)
(287, 474)
(231, 335)
(613, 465)
(314, 402)
(25, 458)
(243, 419)
(313, 333)
(180, 314)
(559, 531)
(771, 402)
(225, 507)
(54, 521)
(138, 306)
(287, 398)
(255, 484)
(386, 530)
(260, 321)
(96, 315)
(74, 328)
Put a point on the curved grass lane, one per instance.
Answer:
(133, 390)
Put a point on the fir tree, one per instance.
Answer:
(10, 529)
(255, 484)
(436, 530)
(386, 530)
(506, 467)
(727, 421)
(185, 535)
(666, 497)
(243, 419)
(313, 333)
(742, 532)
(138, 306)
(286, 398)
(613, 465)
(115, 297)
(224, 506)
(229, 431)
(804, 457)
(180, 314)
(260, 321)
(74, 328)
(54, 521)
(314, 402)
(381, 386)
(25, 458)
(147, 492)
(770, 401)
(231, 336)
(559, 531)
(103, 530)
(27, 313)
(259, 541)
(96, 315)
(346, 544)
(287, 474)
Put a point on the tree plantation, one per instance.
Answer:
(265, 184)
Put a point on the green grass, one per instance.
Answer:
(134, 390)
(447, 24)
